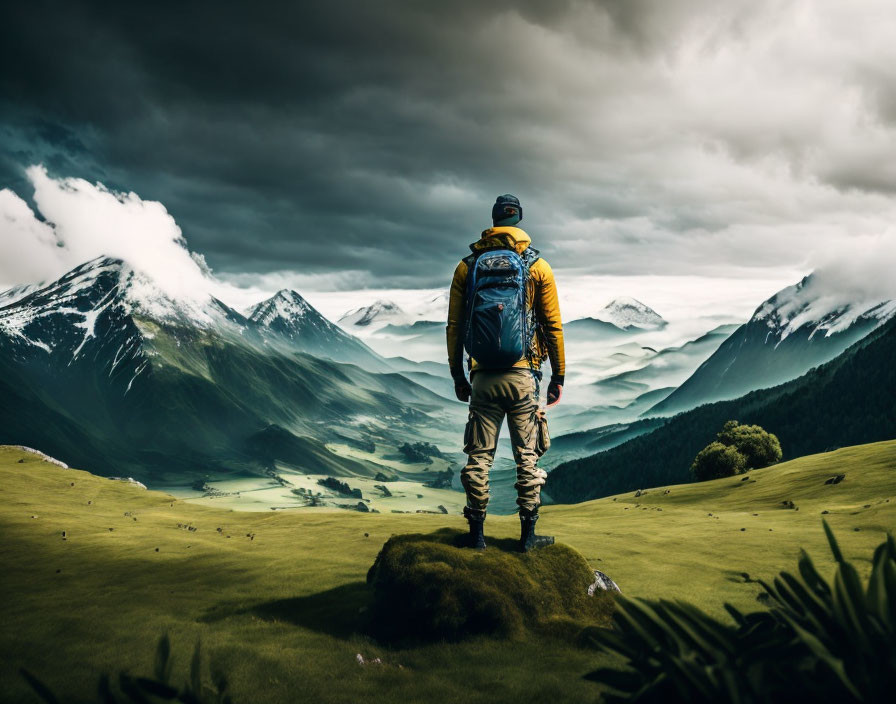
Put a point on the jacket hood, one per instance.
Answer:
(501, 238)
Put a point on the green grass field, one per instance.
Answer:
(276, 611)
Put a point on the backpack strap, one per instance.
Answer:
(530, 255)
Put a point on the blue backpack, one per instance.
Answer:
(498, 328)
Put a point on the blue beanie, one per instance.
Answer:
(507, 207)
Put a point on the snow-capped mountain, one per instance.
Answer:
(286, 309)
(102, 299)
(380, 312)
(291, 317)
(107, 370)
(810, 305)
(800, 327)
(13, 294)
(630, 314)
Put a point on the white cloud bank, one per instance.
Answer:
(81, 221)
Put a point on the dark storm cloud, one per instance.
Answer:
(374, 136)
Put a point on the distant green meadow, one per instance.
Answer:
(277, 598)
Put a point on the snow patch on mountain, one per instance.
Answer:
(628, 313)
(379, 313)
(285, 304)
(819, 304)
(10, 296)
(288, 316)
(88, 324)
(79, 298)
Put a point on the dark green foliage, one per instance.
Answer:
(758, 447)
(144, 690)
(419, 452)
(736, 449)
(340, 487)
(820, 640)
(424, 588)
(717, 460)
(848, 401)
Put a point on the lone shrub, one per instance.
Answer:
(736, 449)
(759, 447)
(425, 588)
(717, 460)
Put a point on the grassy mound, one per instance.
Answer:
(426, 588)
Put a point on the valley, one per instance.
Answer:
(106, 370)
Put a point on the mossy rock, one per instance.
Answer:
(426, 588)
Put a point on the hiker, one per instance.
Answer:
(503, 311)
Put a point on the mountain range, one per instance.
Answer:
(105, 369)
(798, 328)
(371, 318)
(850, 400)
(380, 311)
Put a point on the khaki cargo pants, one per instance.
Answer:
(497, 394)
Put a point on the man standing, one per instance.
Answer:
(503, 310)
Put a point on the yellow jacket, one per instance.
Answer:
(541, 293)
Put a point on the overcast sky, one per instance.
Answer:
(339, 145)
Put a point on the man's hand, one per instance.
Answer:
(555, 391)
(462, 388)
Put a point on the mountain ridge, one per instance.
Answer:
(847, 401)
(97, 377)
(288, 315)
(794, 330)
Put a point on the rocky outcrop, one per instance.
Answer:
(602, 581)
(44, 457)
(129, 480)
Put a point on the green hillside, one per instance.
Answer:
(848, 401)
(276, 610)
(198, 402)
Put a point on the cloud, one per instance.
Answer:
(28, 247)
(82, 221)
(687, 137)
(860, 271)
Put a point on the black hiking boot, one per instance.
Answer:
(528, 539)
(476, 519)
